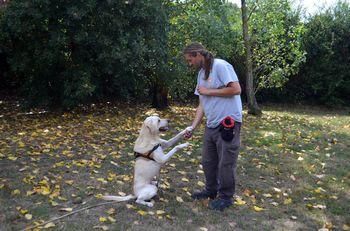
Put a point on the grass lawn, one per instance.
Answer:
(293, 171)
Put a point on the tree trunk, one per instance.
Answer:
(159, 95)
(253, 107)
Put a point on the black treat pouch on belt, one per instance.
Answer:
(226, 128)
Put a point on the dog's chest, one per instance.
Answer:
(146, 168)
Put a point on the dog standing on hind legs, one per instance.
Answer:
(150, 157)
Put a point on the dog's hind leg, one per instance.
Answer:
(154, 182)
(147, 193)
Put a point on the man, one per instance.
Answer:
(219, 100)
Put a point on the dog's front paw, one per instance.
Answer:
(149, 204)
(181, 146)
(189, 129)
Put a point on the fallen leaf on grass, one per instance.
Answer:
(69, 182)
(43, 190)
(287, 201)
(15, 192)
(66, 209)
(247, 192)
(49, 225)
(13, 158)
(142, 213)
(28, 216)
(160, 212)
(200, 183)
(114, 163)
(121, 193)
(346, 227)
(24, 168)
(54, 203)
(267, 195)
(111, 211)
(319, 206)
(126, 178)
(98, 196)
(129, 206)
(239, 201)
(22, 211)
(319, 190)
(103, 227)
(232, 223)
(102, 219)
(328, 225)
(292, 177)
(179, 199)
(257, 209)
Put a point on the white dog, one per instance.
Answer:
(150, 157)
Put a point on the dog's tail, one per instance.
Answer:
(118, 198)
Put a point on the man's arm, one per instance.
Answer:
(198, 117)
(232, 88)
(197, 120)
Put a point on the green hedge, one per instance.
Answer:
(68, 52)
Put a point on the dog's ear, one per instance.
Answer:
(151, 124)
(149, 129)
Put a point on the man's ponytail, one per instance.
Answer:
(195, 47)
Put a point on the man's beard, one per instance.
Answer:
(199, 65)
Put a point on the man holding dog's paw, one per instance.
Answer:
(219, 100)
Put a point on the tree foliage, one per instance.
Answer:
(67, 52)
(326, 74)
(63, 53)
(276, 39)
(275, 30)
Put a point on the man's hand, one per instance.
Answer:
(203, 90)
(188, 133)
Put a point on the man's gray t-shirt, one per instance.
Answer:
(216, 108)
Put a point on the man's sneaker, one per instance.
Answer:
(203, 195)
(220, 204)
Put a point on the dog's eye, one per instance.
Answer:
(158, 120)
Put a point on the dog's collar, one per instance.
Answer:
(148, 154)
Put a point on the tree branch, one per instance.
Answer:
(256, 4)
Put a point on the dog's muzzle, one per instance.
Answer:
(163, 129)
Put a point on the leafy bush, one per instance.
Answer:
(67, 52)
(325, 77)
